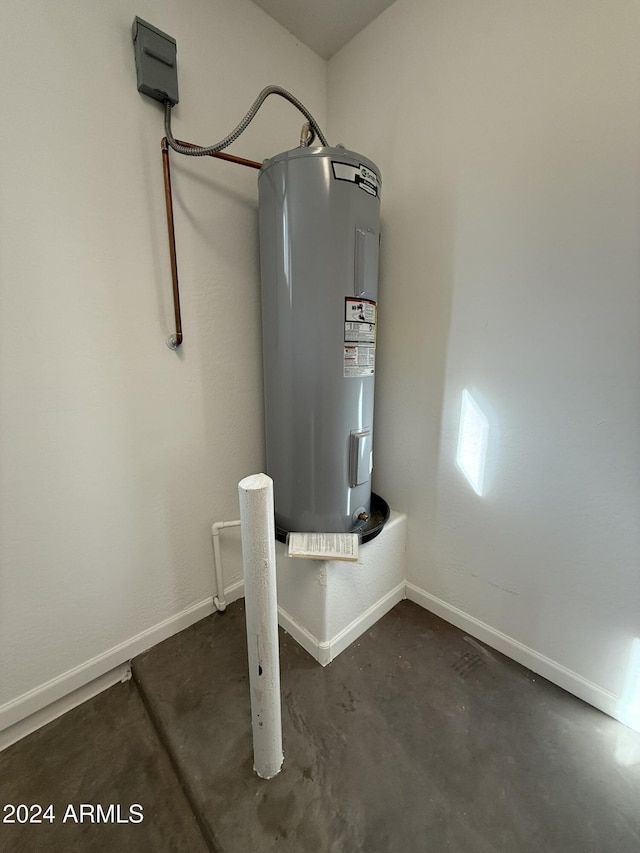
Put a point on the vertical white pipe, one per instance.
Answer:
(219, 599)
(259, 559)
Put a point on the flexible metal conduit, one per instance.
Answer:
(242, 126)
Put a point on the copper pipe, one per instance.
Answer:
(173, 341)
(253, 164)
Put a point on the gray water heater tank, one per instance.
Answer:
(319, 215)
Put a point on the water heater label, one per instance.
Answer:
(359, 360)
(324, 546)
(362, 177)
(360, 321)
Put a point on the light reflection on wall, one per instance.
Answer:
(627, 751)
(628, 707)
(473, 437)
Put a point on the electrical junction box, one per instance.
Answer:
(156, 66)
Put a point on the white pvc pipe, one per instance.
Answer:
(219, 599)
(259, 559)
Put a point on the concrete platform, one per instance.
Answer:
(327, 604)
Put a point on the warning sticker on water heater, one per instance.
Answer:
(360, 321)
(359, 360)
(360, 175)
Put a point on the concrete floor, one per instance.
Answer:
(417, 738)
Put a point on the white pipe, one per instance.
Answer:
(259, 559)
(216, 527)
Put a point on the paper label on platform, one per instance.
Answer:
(324, 546)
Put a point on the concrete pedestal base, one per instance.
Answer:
(327, 604)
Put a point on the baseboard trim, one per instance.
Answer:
(303, 637)
(72, 682)
(40, 706)
(56, 709)
(538, 663)
(325, 652)
(366, 620)
(234, 592)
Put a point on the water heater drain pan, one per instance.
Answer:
(369, 530)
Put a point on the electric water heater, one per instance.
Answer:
(319, 215)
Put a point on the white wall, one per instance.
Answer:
(507, 133)
(508, 136)
(116, 453)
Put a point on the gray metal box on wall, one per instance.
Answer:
(319, 215)
(156, 67)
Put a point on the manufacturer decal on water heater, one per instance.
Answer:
(359, 337)
(360, 175)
